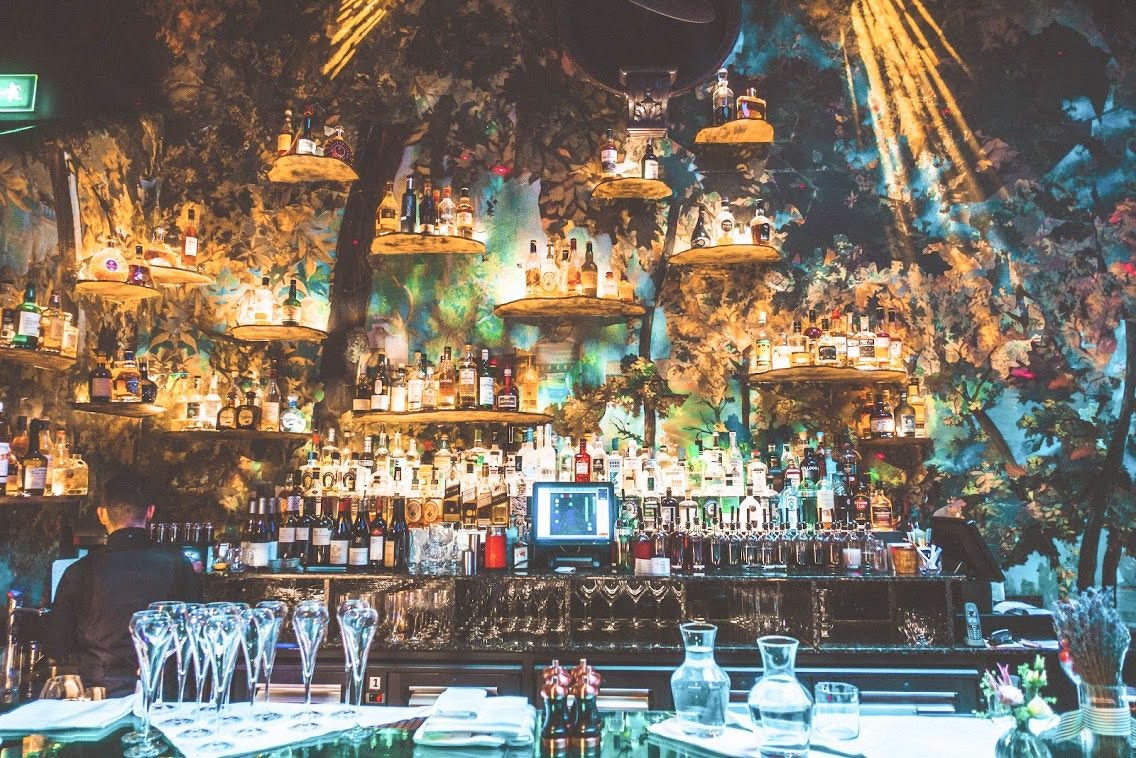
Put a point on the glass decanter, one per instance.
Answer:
(778, 704)
(699, 687)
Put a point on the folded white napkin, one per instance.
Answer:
(57, 715)
(460, 702)
(732, 742)
(500, 721)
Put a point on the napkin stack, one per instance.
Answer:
(41, 716)
(465, 717)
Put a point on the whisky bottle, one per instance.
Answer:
(626, 288)
(147, 389)
(467, 380)
(882, 420)
(447, 381)
(700, 237)
(447, 214)
(825, 346)
(532, 271)
(408, 219)
(427, 209)
(290, 308)
(865, 346)
(904, 417)
(386, 215)
(306, 143)
(882, 341)
(284, 136)
(649, 166)
(549, 274)
(485, 381)
(33, 464)
(51, 325)
(724, 223)
(762, 345)
(429, 390)
(227, 416)
(415, 382)
(464, 215)
(589, 272)
(528, 387)
(722, 99)
(27, 321)
(750, 105)
(840, 338)
(248, 415)
(124, 384)
(895, 353)
(508, 398)
(99, 381)
(609, 155)
(760, 228)
(574, 283)
(189, 243)
(380, 389)
(363, 387)
(264, 303)
(798, 350)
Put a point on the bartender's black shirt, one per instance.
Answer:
(89, 621)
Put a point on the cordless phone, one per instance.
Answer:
(973, 626)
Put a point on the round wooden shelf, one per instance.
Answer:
(236, 434)
(276, 333)
(886, 443)
(743, 131)
(631, 188)
(115, 290)
(829, 374)
(129, 410)
(454, 416)
(292, 169)
(538, 309)
(36, 359)
(6, 500)
(726, 255)
(168, 275)
(401, 243)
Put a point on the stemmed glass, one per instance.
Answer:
(635, 590)
(153, 636)
(658, 590)
(610, 591)
(173, 609)
(271, 634)
(253, 622)
(199, 652)
(310, 624)
(357, 626)
(179, 617)
(588, 589)
(223, 632)
(346, 607)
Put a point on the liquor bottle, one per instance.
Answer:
(306, 143)
(575, 272)
(380, 389)
(284, 136)
(319, 550)
(341, 534)
(904, 417)
(289, 518)
(609, 155)
(415, 382)
(722, 99)
(290, 308)
(798, 346)
(895, 353)
(395, 544)
(292, 419)
(583, 463)
(824, 353)
(27, 321)
(750, 105)
(882, 341)
(724, 223)
(589, 272)
(919, 403)
(359, 547)
(464, 214)
(427, 209)
(882, 517)
(529, 387)
(33, 464)
(124, 384)
(147, 389)
(865, 346)
(447, 214)
(626, 288)
(532, 271)
(840, 337)
(467, 380)
(398, 390)
(99, 380)
(264, 303)
(248, 414)
(447, 380)
(549, 274)
(760, 228)
(377, 533)
(762, 345)
(562, 265)
(51, 325)
(486, 389)
(430, 390)
(649, 166)
(270, 406)
(812, 334)
(386, 215)
(408, 219)
(189, 243)
(882, 420)
(508, 399)
(364, 385)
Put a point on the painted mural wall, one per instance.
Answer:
(969, 165)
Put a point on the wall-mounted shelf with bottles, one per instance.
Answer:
(631, 188)
(829, 375)
(127, 410)
(36, 359)
(276, 333)
(170, 276)
(293, 169)
(235, 434)
(402, 243)
(740, 132)
(726, 255)
(533, 310)
(454, 416)
(14, 500)
(123, 291)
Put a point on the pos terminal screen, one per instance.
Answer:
(568, 513)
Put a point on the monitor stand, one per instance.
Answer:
(575, 561)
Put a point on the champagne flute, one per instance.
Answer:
(346, 607)
(153, 637)
(253, 622)
(223, 632)
(179, 616)
(358, 628)
(309, 621)
(268, 650)
(199, 652)
(172, 609)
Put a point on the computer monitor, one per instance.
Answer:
(964, 549)
(573, 523)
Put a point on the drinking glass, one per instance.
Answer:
(173, 609)
(588, 590)
(836, 712)
(65, 687)
(344, 608)
(252, 626)
(222, 632)
(271, 634)
(199, 652)
(179, 617)
(309, 621)
(358, 627)
(611, 590)
(153, 637)
(635, 590)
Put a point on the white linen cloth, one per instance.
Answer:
(500, 722)
(62, 715)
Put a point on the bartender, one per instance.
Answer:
(88, 625)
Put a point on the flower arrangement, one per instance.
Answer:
(1023, 700)
(1094, 636)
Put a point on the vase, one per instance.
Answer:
(1106, 723)
(699, 687)
(1020, 742)
(779, 704)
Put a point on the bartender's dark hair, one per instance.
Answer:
(126, 497)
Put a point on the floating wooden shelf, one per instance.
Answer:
(6, 500)
(36, 358)
(631, 188)
(236, 434)
(277, 333)
(168, 275)
(129, 410)
(537, 309)
(115, 290)
(454, 416)
(884, 443)
(291, 169)
(828, 374)
(726, 255)
(743, 131)
(401, 243)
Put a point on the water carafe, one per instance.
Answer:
(780, 707)
(699, 687)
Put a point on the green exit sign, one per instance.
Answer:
(17, 93)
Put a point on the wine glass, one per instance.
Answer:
(358, 625)
(271, 634)
(346, 607)
(252, 625)
(174, 609)
(223, 632)
(153, 637)
(179, 617)
(610, 590)
(199, 652)
(635, 591)
(588, 589)
(309, 621)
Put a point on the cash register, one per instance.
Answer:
(573, 525)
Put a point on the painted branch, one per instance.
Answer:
(998, 440)
(1110, 470)
(658, 278)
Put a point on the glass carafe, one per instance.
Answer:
(699, 687)
(780, 707)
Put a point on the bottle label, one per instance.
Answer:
(28, 325)
(357, 556)
(467, 380)
(907, 425)
(508, 402)
(305, 147)
(245, 417)
(727, 224)
(549, 281)
(35, 477)
(270, 416)
(884, 425)
(227, 418)
(764, 355)
(290, 314)
(361, 404)
(100, 387)
(287, 535)
(190, 249)
(388, 554)
(609, 156)
(485, 391)
(826, 353)
(650, 169)
(380, 400)
(321, 536)
(338, 552)
(377, 550)
(258, 554)
(465, 220)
